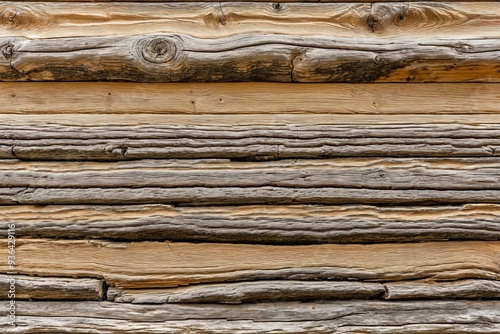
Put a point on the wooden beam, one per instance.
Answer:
(249, 292)
(235, 293)
(248, 57)
(463, 289)
(115, 137)
(368, 173)
(346, 317)
(196, 196)
(167, 264)
(52, 288)
(419, 20)
(250, 98)
(265, 224)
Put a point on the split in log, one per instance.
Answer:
(377, 173)
(199, 196)
(52, 288)
(115, 137)
(166, 264)
(463, 20)
(251, 98)
(248, 57)
(343, 317)
(256, 224)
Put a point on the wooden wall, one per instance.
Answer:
(251, 167)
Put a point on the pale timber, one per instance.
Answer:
(297, 224)
(373, 317)
(215, 20)
(252, 98)
(248, 57)
(251, 137)
(52, 288)
(169, 264)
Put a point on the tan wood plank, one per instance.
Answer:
(168, 264)
(51, 288)
(372, 317)
(251, 98)
(211, 19)
(297, 224)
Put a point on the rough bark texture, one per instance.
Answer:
(295, 224)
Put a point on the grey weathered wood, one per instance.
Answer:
(241, 195)
(35, 139)
(295, 224)
(248, 57)
(463, 289)
(376, 173)
(371, 317)
(52, 288)
(146, 264)
(244, 292)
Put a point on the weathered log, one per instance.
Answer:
(248, 57)
(167, 264)
(196, 196)
(463, 289)
(372, 317)
(235, 293)
(256, 224)
(209, 20)
(51, 288)
(253, 98)
(111, 137)
(244, 292)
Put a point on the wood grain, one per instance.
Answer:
(52, 288)
(211, 19)
(464, 289)
(297, 224)
(249, 292)
(168, 264)
(248, 57)
(251, 98)
(114, 137)
(201, 196)
(372, 317)
(244, 292)
(377, 173)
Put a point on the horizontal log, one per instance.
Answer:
(235, 293)
(248, 57)
(211, 19)
(392, 174)
(295, 224)
(245, 292)
(372, 317)
(464, 289)
(251, 98)
(51, 288)
(167, 264)
(196, 196)
(111, 137)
